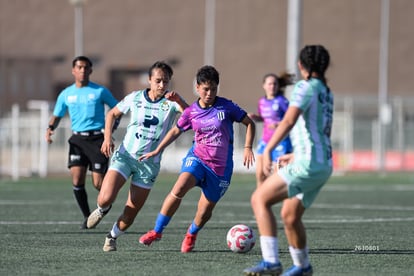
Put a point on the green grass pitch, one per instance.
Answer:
(361, 224)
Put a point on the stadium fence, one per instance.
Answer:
(358, 145)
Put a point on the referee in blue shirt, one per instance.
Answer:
(85, 101)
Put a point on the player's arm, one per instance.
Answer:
(248, 155)
(175, 97)
(255, 117)
(170, 137)
(111, 117)
(116, 123)
(284, 160)
(283, 129)
(53, 124)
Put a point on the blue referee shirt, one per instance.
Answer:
(86, 106)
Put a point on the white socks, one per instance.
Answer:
(102, 210)
(300, 256)
(270, 249)
(115, 232)
(270, 252)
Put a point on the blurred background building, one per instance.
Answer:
(244, 39)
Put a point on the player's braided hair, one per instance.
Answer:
(315, 59)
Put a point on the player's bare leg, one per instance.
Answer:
(111, 186)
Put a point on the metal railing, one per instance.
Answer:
(24, 151)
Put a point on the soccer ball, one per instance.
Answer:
(241, 238)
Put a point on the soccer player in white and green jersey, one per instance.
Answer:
(153, 112)
(301, 174)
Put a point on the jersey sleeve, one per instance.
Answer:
(60, 106)
(301, 95)
(236, 112)
(108, 98)
(177, 107)
(184, 121)
(284, 104)
(125, 104)
(259, 107)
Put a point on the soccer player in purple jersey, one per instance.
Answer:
(209, 162)
(270, 110)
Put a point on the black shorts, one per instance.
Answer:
(85, 151)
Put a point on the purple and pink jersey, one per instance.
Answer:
(272, 112)
(213, 132)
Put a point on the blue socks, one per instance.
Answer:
(193, 229)
(161, 222)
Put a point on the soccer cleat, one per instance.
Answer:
(83, 224)
(150, 237)
(95, 217)
(298, 271)
(188, 243)
(109, 245)
(264, 268)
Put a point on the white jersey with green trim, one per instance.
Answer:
(149, 122)
(311, 134)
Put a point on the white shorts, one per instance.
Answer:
(305, 181)
(143, 173)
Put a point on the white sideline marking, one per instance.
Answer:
(324, 221)
(246, 204)
(38, 222)
(242, 204)
(317, 221)
(33, 202)
(325, 206)
(359, 220)
(362, 207)
(234, 204)
(347, 188)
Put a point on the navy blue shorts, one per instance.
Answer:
(212, 185)
(283, 148)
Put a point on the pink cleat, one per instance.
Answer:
(150, 237)
(188, 243)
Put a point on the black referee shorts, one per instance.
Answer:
(85, 151)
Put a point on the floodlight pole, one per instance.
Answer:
(15, 149)
(78, 6)
(209, 31)
(294, 35)
(384, 110)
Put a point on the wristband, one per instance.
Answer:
(51, 127)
